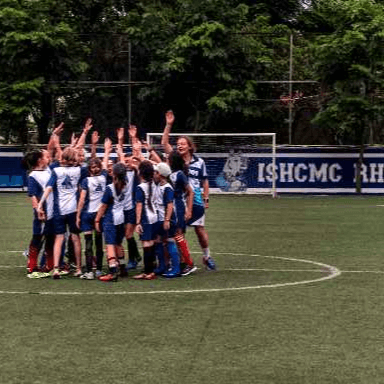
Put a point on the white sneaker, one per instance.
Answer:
(87, 276)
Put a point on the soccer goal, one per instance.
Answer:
(236, 162)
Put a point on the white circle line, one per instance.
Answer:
(334, 272)
(250, 270)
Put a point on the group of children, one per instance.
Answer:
(153, 195)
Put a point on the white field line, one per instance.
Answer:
(324, 270)
(333, 273)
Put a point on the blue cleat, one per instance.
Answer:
(131, 265)
(172, 273)
(209, 264)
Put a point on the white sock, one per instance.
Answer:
(206, 253)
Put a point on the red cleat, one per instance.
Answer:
(108, 277)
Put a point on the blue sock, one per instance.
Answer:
(174, 255)
(161, 268)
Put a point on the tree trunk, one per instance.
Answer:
(358, 169)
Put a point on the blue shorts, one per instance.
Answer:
(113, 234)
(160, 231)
(149, 232)
(43, 227)
(180, 215)
(61, 223)
(198, 212)
(87, 222)
(130, 216)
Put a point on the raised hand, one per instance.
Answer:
(108, 145)
(95, 137)
(59, 129)
(120, 135)
(169, 118)
(88, 125)
(132, 130)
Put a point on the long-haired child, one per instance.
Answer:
(42, 227)
(146, 218)
(64, 182)
(112, 213)
(183, 209)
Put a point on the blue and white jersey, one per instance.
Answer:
(115, 210)
(65, 182)
(37, 181)
(164, 195)
(179, 182)
(197, 172)
(149, 214)
(95, 187)
(131, 187)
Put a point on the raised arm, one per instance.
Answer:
(94, 140)
(153, 155)
(169, 120)
(55, 137)
(107, 152)
(87, 127)
(120, 144)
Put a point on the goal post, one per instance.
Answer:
(236, 162)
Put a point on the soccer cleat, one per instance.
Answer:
(56, 274)
(108, 277)
(209, 264)
(159, 271)
(131, 265)
(87, 276)
(46, 274)
(123, 271)
(171, 274)
(150, 276)
(34, 275)
(188, 269)
(141, 276)
(78, 273)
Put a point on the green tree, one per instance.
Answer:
(349, 64)
(37, 48)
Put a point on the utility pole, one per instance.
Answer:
(290, 104)
(129, 86)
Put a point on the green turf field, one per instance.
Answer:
(298, 298)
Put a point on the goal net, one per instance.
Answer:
(236, 163)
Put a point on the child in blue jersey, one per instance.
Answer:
(43, 223)
(112, 213)
(166, 225)
(64, 183)
(146, 218)
(183, 208)
(92, 190)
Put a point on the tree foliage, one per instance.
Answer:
(208, 60)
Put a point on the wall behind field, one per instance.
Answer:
(299, 169)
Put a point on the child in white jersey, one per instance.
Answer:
(146, 218)
(91, 192)
(43, 223)
(112, 212)
(64, 183)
